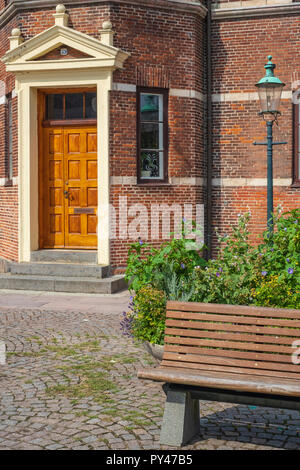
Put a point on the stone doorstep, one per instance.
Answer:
(59, 269)
(89, 285)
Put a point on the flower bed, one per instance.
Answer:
(267, 274)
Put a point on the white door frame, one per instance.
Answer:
(27, 86)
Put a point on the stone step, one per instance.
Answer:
(65, 256)
(59, 269)
(82, 285)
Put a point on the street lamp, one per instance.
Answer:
(269, 91)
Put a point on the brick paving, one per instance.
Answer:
(70, 383)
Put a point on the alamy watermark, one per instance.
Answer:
(152, 222)
(2, 353)
(296, 353)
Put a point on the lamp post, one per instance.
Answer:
(269, 91)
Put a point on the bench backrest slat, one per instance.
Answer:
(236, 339)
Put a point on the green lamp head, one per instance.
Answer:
(269, 90)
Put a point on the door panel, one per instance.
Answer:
(81, 176)
(53, 187)
(70, 193)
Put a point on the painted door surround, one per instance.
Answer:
(32, 75)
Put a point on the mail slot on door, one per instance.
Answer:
(84, 210)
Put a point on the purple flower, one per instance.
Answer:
(260, 254)
(218, 274)
(288, 260)
(290, 270)
(285, 229)
(264, 273)
(183, 219)
(220, 270)
(272, 249)
(182, 265)
(295, 221)
(141, 242)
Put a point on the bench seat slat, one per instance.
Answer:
(192, 334)
(228, 327)
(233, 309)
(282, 358)
(173, 340)
(224, 380)
(230, 361)
(263, 321)
(222, 368)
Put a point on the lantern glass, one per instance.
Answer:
(269, 97)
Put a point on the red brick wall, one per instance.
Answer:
(166, 51)
(9, 222)
(240, 50)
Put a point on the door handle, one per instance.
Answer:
(66, 194)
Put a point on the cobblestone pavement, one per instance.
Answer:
(70, 383)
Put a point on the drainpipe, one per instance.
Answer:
(208, 209)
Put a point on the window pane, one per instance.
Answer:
(74, 106)
(151, 107)
(54, 107)
(91, 105)
(151, 136)
(151, 165)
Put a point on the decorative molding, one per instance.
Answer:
(243, 96)
(16, 6)
(246, 11)
(194, 94)
(200, 181)
(4, 181)
(123, 180)
(187, 181)
(238, 182)
(128, 87)
(216, 5)
(23, 58)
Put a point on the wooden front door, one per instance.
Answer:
(68, 187)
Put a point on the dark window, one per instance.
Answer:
(55, 107)
(71, 106)
(296, 175)
(74, 106)
(152, 130)
(91, 105)
(9, 147)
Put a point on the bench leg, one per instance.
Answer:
(181, 419)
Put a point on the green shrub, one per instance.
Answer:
(176, 258)
(279, 283)
(230, 278)
(149, 315)
(276, 292)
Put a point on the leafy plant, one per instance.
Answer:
(279, 283)
(146, 320)
(230, 278)
(146, 264)
(276, 292)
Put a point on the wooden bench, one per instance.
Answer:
(234, 354)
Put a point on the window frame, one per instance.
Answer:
(296, 142)
(67, 122)
(9, 157)
(165, 93)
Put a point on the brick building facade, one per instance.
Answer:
(153, 126)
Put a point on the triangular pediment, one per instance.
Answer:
(39, 52)
(64, 52)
